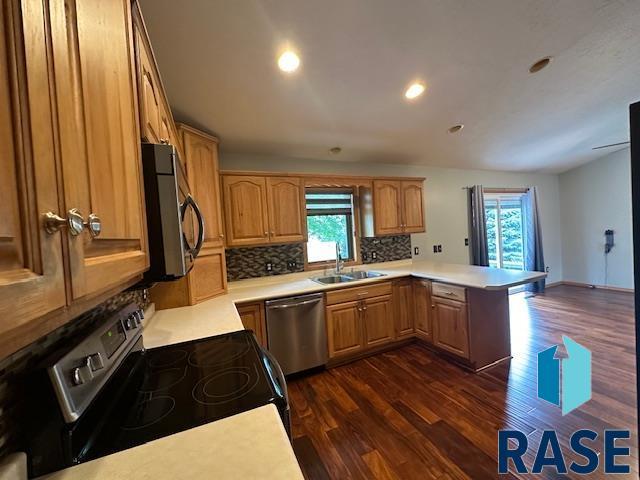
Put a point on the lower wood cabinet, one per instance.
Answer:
(344, 328)
(450, 326)
(403, 303)
(422, 308)
(377, 315)
(252, 316)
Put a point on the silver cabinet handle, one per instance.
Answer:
(74, 222)
(94, 224)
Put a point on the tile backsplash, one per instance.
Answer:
(21, 363)
(251, 262)
(385, 249)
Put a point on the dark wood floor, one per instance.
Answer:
(409, 414)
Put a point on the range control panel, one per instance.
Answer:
(80, 374)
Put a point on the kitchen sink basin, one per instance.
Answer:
(364, 274)
(347, 277)
(333, 279)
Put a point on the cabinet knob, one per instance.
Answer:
(74, 222)
(222, 235)
(266, 234)
(94, 224)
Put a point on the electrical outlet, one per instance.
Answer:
(416, 250)
(268, 266)
(466, 242)
(548, 269)
(435, 249)
(374, 255)
(439, 248)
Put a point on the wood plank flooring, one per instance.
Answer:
(408, 413)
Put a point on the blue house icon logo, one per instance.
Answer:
(566, 379)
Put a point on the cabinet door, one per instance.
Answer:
(387, 200)
(403, 308)
(245, 209)
(422, 304)
(208, 277)
(450, 329)
(378, 320)
(344, 329)
(412, 207)
(99, 140)
(201, 153)
(287, 219)
(252, 317)
(149, 94)
(31, 266)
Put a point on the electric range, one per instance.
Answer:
(108, 393)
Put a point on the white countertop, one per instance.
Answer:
(250, 445)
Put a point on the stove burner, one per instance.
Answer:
(165, 358)
(162, 379)
(219, 354)
(215, 389)
(148, 412)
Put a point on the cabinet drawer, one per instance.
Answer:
(358, 293)
(452, 292)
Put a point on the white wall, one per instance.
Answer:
(596, 197)
(446, 201)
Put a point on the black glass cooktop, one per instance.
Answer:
(165, 390)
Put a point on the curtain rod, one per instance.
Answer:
(506, 189)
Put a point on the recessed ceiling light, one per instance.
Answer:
(414, 90)
(455, 128)
(289, 61)
(335, 150)
(540, 64)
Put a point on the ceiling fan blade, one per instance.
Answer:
(610, 145)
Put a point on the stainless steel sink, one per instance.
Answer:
(347, 277)
(332, 279)
(364, 274)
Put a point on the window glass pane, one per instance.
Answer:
(511, 232)
(491, 213)
(324, 231)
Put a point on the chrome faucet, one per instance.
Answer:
(339, 262)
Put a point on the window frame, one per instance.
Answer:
(354, 222)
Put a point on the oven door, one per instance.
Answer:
(191, 219)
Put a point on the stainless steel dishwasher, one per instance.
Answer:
(296, 332)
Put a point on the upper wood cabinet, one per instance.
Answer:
(403, 307)
(201, 158)
(69, 143)
(392, 207)
(99, 142)
(32, 273)
(263, 209)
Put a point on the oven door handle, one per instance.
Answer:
(190, 202)
(279, 373)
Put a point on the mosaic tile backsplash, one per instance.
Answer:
(21, 363)
(385, 249)
(251, 262)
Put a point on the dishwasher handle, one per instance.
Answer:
(291, 305)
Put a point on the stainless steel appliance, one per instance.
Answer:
(296, 332)
(108, 393)
(171, 214)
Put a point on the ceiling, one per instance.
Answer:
(218, 63)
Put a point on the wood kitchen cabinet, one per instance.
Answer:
(403, 301)
(70, 150)
(344, 329)
(208, 278)
(262, 209)
(422, 308)
(377, 320)
(392, 207)
(253, 318)
(450, 326)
